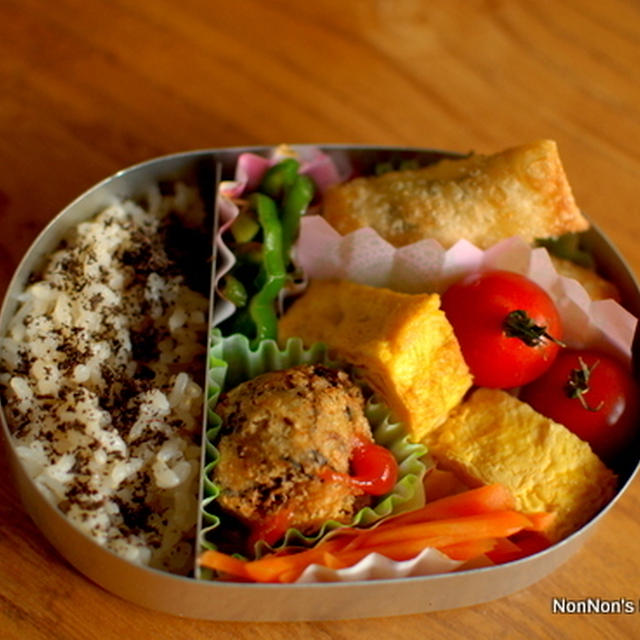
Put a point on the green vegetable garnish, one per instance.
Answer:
(272, 274)
(245, 227)
(234, 291)
(568, 247)
(264, 232)
(278, 178)
(295, 203)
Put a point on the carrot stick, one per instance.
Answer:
(469, 549)
(224, 563)
(531, 542)
(540, 521)
(401, 551)
(289, 576)
(439, 484)
(395, 550)
(505, 550)
(505, 545)
(468, 525)
(332, 561)
(447, 531)
(268, 568)
(491, 497)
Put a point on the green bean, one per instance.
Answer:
(234, 291)
(295, 202)
(244, 228)
(272, 274)
(279, 177)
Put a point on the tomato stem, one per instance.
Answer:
(578, 384)
(518, 324)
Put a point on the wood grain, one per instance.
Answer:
(87, 88)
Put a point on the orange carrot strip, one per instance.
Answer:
(465, 526)
(521, 545)
(398, 551)
(332, 560)
(506, 545)
(289, 576)
(491, 497)
(469, 549)
(224, 563)
(447, 531)
(269, 568)
(541, 520)
(291, 567)
(440, 484)
(505, 550)
(344, 559)
(328, 559)
(531, 542)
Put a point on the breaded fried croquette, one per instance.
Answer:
(522, 191)
(279, 430)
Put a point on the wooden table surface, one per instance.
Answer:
(87, 88)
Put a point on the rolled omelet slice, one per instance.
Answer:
(402, 343)
(522, 191)
(494, 437)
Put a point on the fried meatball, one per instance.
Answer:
(279, 431)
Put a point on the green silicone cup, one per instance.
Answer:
(233, 361)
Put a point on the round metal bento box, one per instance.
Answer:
(270, 602)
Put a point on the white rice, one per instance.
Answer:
(100, 372)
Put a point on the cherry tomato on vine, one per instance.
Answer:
(507, 326)
(593, 395)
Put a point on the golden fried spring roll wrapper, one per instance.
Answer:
(522, 191)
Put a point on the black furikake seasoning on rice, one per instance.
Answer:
(101, 372)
